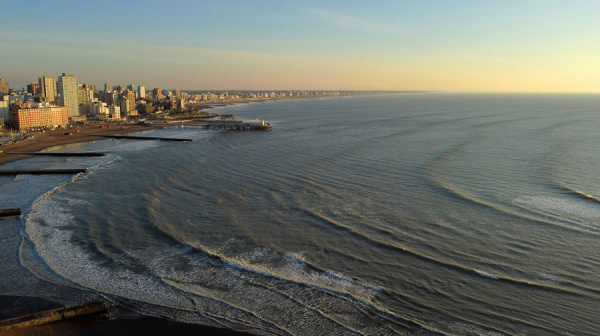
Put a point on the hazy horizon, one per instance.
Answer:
(451, 46)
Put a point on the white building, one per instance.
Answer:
(141, 91)
(48, 88)
(67, 93)
(114, 112)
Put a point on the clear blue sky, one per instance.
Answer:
(514, 46)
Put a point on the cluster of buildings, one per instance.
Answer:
(53, 102)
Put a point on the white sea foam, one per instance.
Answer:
(224, 294)
(565, 205)
(486, 274)
(264, 297)
(471, 329)
(294, 269)
(48, 225)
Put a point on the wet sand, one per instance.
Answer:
(57, 138)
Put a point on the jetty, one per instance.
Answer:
(84, 154)
(10, 212)
(54, 315)
(135, 137)
(42, 171)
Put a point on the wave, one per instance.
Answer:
(231, 290)
(577, 290)
(542, 218)
(234, 290)
(579, 194)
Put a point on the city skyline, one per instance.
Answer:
(475, 46)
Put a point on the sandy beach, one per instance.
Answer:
(57, 138)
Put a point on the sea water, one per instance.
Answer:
(377, 215)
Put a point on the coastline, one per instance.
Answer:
(119, 320)
(56, 138)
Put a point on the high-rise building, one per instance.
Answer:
(47, 88)
(84, 94)
(4, 109)
(107, 87)
(67, 93)
(130, 100)
(177, 93)
(91, 87)
(156, 94)
(4, 86)
(141, 91)
(33, 88)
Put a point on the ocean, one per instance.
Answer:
(408, 214)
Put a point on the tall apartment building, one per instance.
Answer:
(33, 88)
(107, 87)
(47, 88)
(84, 94)
(4, 109)
(4, 86)
(67, 93)
(130, 96)
(177, 93)
(141, 91)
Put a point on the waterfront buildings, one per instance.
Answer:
(67, 93)
(25, 116)
(47, 88)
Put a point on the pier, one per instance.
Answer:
(42, 171)
(253, 125)
(54, 315)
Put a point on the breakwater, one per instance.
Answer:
(142, 138)
(10, 212)
(54, 315)
(42, 171)
(88, 154)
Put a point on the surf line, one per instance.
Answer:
(455, 266)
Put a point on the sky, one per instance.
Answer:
(444, 45)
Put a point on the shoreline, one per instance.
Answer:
(55, 139)
(119, 319)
